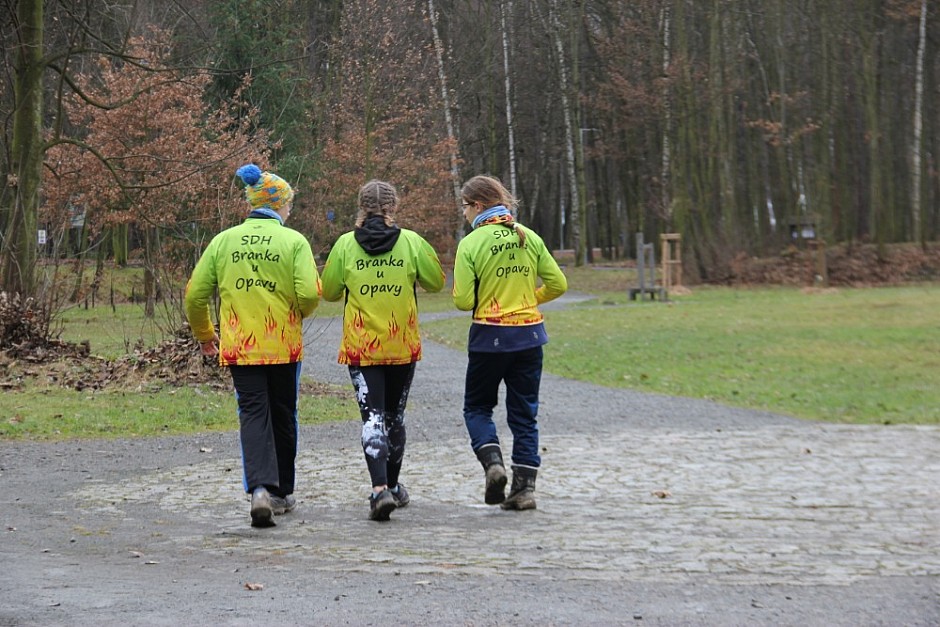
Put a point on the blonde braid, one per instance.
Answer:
(377, 198)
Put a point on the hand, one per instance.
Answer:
(210, 348)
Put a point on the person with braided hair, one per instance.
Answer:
(497, 270)
(376, 268)
(267, 281)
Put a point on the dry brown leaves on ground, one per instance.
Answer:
(861, 265)
(29, 355)
(174, 362)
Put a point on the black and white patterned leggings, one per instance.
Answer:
(382, 393)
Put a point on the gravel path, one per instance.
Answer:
(652, 511)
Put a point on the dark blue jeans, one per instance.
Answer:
(521, 371)
(267, 416)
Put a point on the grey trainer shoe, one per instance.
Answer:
(282, 504)
(261, 511)
(401, 497)
(381, 505)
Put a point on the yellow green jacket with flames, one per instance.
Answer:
(496, 277)
(380, 318)
(268, 283)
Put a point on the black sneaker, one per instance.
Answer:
(381, 505)
(261, 511)
(401, 497)
(282, 504)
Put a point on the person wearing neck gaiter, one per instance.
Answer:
(268, 283)
(376, 268)
(497, 270)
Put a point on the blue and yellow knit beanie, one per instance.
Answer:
(264, 189)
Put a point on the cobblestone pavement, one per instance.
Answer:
(776, 505)
(731, 506)
(653, 509)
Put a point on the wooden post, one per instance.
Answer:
(672, 261)
(820, 269)
(640, 263)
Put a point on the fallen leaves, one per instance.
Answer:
(860, 265)
(176, 362)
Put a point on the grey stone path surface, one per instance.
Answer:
(652, 511)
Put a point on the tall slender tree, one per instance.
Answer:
(453, 157)
(19, 245)
(570, 123)
(917, 139)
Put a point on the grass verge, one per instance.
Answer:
(848, 355)
(54, 413)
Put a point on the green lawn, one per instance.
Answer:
(52, 413)
(848, 355)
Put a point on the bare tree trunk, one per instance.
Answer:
(873, 131)
(100, 257)
(720, 178)
(150, 276)
(18, 249)
(584, 250)
(119, 236)
(916, 210)
(448, 120)
(537, 182)
(784, 155)
(79, 267)
(505, 25)
(576, 235)
(665, 169)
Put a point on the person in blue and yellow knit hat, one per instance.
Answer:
(268, 283)
(264, 189)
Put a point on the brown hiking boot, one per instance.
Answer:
(491, 457)
(522, 492)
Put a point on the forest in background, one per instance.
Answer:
(735, 124)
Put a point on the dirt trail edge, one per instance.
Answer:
(652, 511)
